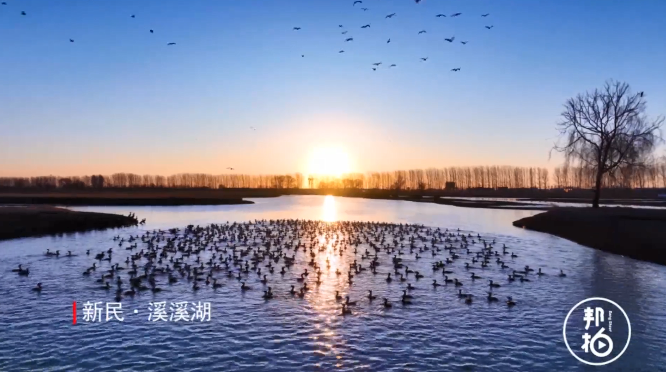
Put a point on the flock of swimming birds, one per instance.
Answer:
(299, 254)
(350, 39)
(388, 41)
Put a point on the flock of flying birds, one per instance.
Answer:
(297, 257)
(23, 13)
(350, 39)
(388, 41)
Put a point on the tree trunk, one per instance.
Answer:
(597, 189)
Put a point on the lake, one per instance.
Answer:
(438, 332)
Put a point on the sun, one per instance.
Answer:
(330, 161)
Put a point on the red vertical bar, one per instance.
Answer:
(74, 312)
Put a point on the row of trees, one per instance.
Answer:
(436, 178)
(183, 180)
(652, 175)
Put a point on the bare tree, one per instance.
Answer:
(607, 128)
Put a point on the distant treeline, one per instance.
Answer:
(652, 175)
(487, 177)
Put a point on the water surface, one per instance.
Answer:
(437, 333)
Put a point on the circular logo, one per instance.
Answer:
(596, 331)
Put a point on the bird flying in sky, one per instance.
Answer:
(440, 15)
(455, 14)
(422, 32)
(357, 2)
(450, 40)
(390, 15)
(297, 28)
(350, 39)
(366, 26)
(489, 27)
(424, 59)
(171, 44)
(485, 15)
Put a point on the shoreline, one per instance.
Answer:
(632, 232)
(36, 221)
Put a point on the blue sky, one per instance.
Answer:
(120, 99)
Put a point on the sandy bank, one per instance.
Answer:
(632, 232)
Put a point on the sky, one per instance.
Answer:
(118, 99)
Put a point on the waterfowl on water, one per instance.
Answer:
(457, 283)
(410, 287)
(435, 284)
(20, 267)
(562, 274)
(345, 310)
(388, 279)
(492, 284)
(387, 304)
(292, 291)
(268, 294)
(38, 288)
(370, 296)
(349, 303)
(244, 287)
(468, 299)
(216, 284)
(491, 298)
(539, 273)
(405, 295)
(510, 301)
(474, 276)
(24, 272)
(447, 280)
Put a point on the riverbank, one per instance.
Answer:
(30, 221)
(124, 198)
(474, 203)
(631, 232)
(468, 198)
